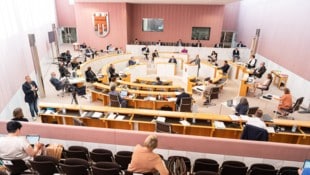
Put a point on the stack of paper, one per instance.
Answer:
(270, 129)
(97, 115)
(161, 119)
(185, 123)
(234, 117)
(219, 125)
(120, 117)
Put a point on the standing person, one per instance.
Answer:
(146, 52)
(13, 146)
(197, 62)
(172, 60)
(30, 90)
(243, 107)
(145, 160)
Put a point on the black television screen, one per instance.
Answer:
(152, 25)
(201, 33)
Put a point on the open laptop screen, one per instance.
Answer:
(124, 93)
(33, 139)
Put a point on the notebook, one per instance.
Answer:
(123, 93)
(33, 139)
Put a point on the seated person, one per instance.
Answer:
(256, 120)
(113, 91)
(180, 96)
(113, 82)
(59, 85)
(19, 115)
(172, 60)
(155, 54)
(179, 43)
(184, 50)
(258, 72)
(236, 54)
(158, 81)
(83, 46)
(145, 160)
(16, 147)
(75, 63)
(207, 90)
(243, 107)
(159, 43)
(112, 71)
(89, 52)
(240, 44)
(90, 75)
(131, 61)
(286, 101)
(212, 57)
(251, 62)
(264, 84)
(136, 41)
(198, 44)
(63, 71)
(218, 45)
(225, 67)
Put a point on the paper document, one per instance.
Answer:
(270, 129)
(185, 123)
(120, 117)
(161, 119)
(111, 116)
(234, 117)
(219, 125)
(97, 115)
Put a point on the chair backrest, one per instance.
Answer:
(261, 171)
(262, 166)
(186, 104)
(110, 168)
(163, 127)
(214, 92)
(233, 163)
(230, 170)
(44, 167)
(206, 173)
(131, 173)
(297, 104)
(101, 155)
(288, 170)
(205, 165)
(114, 101)
(16, 166)
(254, 133)
(74, 169)
(123, 158)
(77, 152)
(252, 110)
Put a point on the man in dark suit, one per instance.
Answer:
(59, 85)
(180, 96)
(90, 75)
(131, 62)
(146, 52)
(172, 60)
(225, 67)
(236, 54)
(258, 72)
(158, 81)
(30, 89)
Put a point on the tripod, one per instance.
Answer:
(74, 99)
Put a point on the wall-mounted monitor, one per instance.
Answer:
(152, 25)
(201, 33)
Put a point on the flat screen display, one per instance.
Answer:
(201, 33)
(152, 25)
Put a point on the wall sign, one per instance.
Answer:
(101, 23)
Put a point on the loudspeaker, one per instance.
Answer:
(257, 32)
(31, 39)
(51, 36)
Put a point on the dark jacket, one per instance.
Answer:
(254, 133)
(180, 96)
(260, 71)
(57, 84)
(30, 96)
(242, 109)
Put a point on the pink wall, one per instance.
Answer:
(231, 14)
(118, 24)
(178, 21)
(65, 13)
(284, 28)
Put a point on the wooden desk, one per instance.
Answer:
(152, 80)
(139, 86)
(279, 78)
(142, 120)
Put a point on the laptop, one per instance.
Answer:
(123, 93)
(230, 103)
(306, 167)
(33, 139)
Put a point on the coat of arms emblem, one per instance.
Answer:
(101, 23)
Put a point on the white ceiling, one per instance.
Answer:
(205, 2)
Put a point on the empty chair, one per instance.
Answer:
(123, 158)
(233, 163)
(101, 155)
(233, 170)
(261, 171)
(251, 132)
(252, 110)
(16, 166)
(186, 160)
(206, 173)
(77, 152)
(106, 168)
(288, 170)
(214, 94)
(186, 104)
(205, 165)
(74, 166)
(45, 165)
(115, 101)
(131, 173)
(163, 127)
(262, 165)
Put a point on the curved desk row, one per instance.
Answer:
(143, 120)
(149, 87)
(137, 98)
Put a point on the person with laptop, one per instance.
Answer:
(256, 120)
(15, 146)
(122, 101)
(243, 107)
